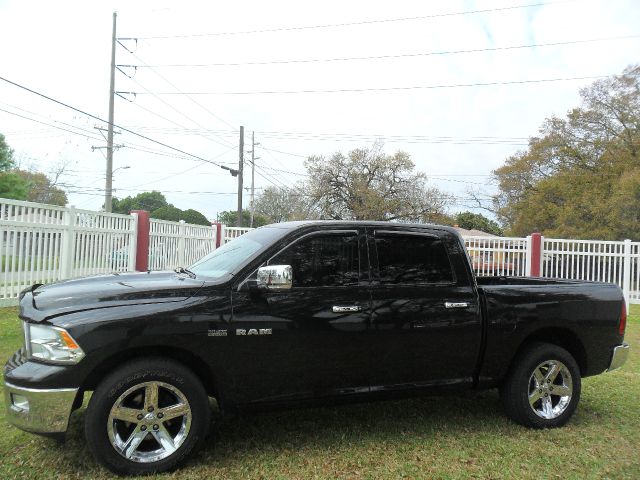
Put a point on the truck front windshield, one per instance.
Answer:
(234, 254)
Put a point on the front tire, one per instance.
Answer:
(542, 390)
(147, 417)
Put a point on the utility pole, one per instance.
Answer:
(108, 191)
(240, 169)
(253, 171)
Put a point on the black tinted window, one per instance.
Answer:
(322, 260)
(412, 259)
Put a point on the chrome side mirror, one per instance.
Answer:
(275, 277)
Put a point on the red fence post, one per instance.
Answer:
(536, 254)
(218, 228)
(142, 240)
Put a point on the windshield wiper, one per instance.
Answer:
(184, 270)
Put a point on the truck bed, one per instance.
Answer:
(584, 313)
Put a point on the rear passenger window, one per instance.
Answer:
(412, 259)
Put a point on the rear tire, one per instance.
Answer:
(147, 417)
(542, 389)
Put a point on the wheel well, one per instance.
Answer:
(188, 359)
(562, 338)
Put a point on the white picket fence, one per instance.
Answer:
(592, 260)
(499, 255)
(44, 243)
(178, 244)
(229, 233)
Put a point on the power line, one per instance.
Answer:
(377, 135)
(401, 139)
(315, 135)
(129, 145)
(336, 137)
(381, 57)
(180, 91)
(121, 128)
(284, 153)
(386, 89)
(96, 190)
(226, 144)
(184, 171)
(281, 135)
(349, 24)
(285, 171)
(263, 168)
(270, 180)
(51, 125)
(48, 118)
(274, 180)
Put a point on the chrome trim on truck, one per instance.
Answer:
(39, 410)
(620, 354)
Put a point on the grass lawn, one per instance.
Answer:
(437, 437)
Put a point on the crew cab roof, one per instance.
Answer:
(294, 225)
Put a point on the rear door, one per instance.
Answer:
(426, 323)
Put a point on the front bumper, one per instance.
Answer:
(620, 354)
(39, 410)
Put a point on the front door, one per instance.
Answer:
(426, 324)
(309, 341)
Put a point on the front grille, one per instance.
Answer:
(17, 359)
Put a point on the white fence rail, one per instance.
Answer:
(44, 243)
(229, 233)
(594, 260)
(600, 261)
(591, 260)
(499, 255)
(179, 244)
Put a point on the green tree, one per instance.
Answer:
(168, 212)
(156, 204)
(194, 217)
(174, 214)
(149, 201)
(580, 177)
(477, 221)
(12, 185)
(229, 218)
(6, 155)
(40, 188)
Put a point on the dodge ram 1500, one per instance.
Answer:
(298, 312)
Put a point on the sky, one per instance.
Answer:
(459, 85)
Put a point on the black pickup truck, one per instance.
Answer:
(295, 313)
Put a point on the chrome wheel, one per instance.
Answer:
(550, 389)
(149, 422)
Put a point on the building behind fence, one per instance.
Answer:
(45, 243)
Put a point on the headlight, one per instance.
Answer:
(51, 344)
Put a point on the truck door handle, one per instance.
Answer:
(456, 304)
(350, 308)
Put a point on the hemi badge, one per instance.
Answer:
(217, 333)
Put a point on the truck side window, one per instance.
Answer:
(412, 259)
(322, 261)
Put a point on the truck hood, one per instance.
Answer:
(41, 302)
